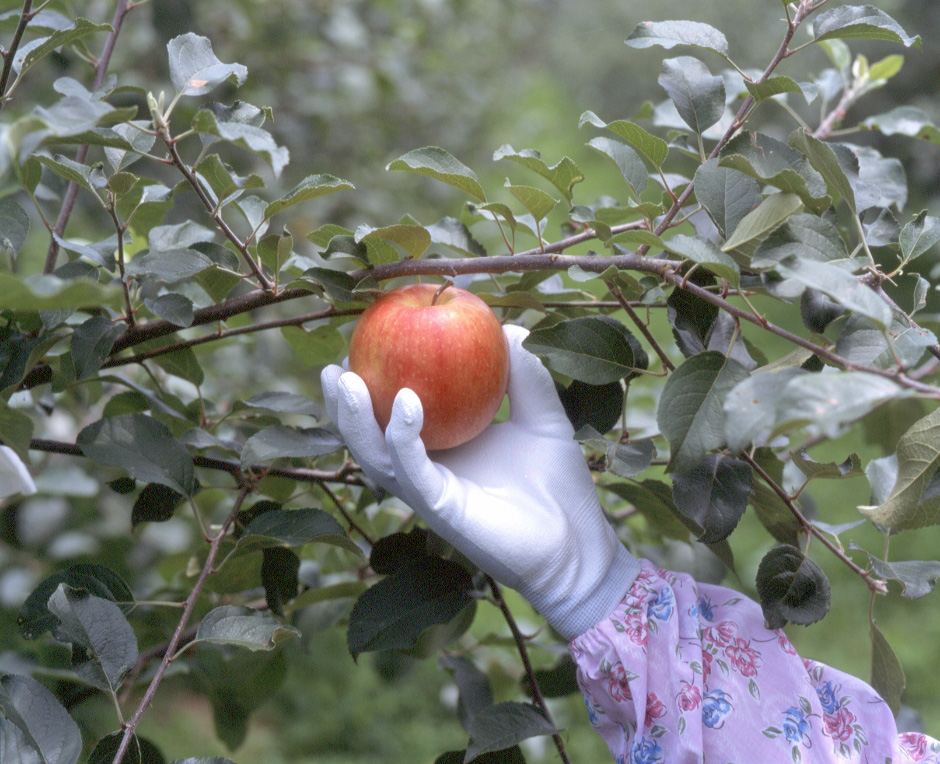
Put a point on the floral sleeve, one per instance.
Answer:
(683, 672)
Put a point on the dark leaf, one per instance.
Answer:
(139, 751)
(175, 308)
(508, 756)
(851, 467)
(698, 95)
(771, 510)
(292, 528)
(593, 349)
(653, 500)
(691, 414)
(596, 406)
(34, 618)
(562, 175)
(279, 568)
(826, 162)
(726, 194)
(393, 613)
(503, 725)
(156, 504)
(143, 446)
(39, 728)
(104, 647)
(278, 442)
(91, 344)
(283, 403)
(398, 549)
(691, 317)
(557, 681)
(435, 162)
(474, 691)
(791, 587)
(817, 311)
(917, 577)
(712, 496)
(887, 673)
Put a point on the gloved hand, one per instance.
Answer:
(14, 477)
(518, 500)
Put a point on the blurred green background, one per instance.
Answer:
(353, 85)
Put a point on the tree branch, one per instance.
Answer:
(25, 17)
(71, 193)
(214, 545)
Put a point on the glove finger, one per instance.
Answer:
(329, 379)
(423, 481)
(533, 402)
(361, 431)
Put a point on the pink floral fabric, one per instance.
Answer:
(683, 672)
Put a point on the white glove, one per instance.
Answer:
(518, 500)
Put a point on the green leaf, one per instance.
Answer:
(14, 226)
(887, 673)
(626, 160)
(813, 470)
(593, 349)
(205, 760)
(597, 406)
(278, 441)
(774, 86)
(791, 587)
(155, 504)
(17, 428)
(726, 194)
(243, 627)
(104, 648)
(138, 140)
(690, 414)
(222, 180)
(917, 577)
(71, 170)
(279, 577)
(653, 500)
(698, 95)
(247, 136)
(435, 162)
(281, 403)
(474, 691)
(311, 187)
(771, 161)
(34, 617)
(29, 54)
(393, 613)
(535, 200)
(751, 406)
(503, 725)
(274, 250)
(451, 233)
(563, 175)
(194, 68)
(91, 344)
(918, 236)
(772, 512)
(712, 496)
(805, 236)
(413, 239)
(652, 147)
(141, 445)
(700, 250)
(863, 342)
(904, 120)
(824, 160)
(34, 723)
(175, 308)
(315, 347)
(139, 751)
(861, 22)
(839, 285)
(759, 222)
(918, 457)
(668, 34)
(292, 528)
(170, 267)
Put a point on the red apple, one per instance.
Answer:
(443, 343)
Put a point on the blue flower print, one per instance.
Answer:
(795, 727)
(646, 752)
(705, 609)
(827, 693)
(661, 607)
(716, 705)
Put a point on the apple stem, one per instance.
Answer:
(437, 294)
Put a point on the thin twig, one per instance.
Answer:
(215, 544)
(875, 585)
(25, 17)
(71, 193)
(644, 329)
(519, 638)
(349, 519)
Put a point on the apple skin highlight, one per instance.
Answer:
(450, 350)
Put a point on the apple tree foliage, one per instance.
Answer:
(787, 270)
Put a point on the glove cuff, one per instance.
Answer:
(573, 616)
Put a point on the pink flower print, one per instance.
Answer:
(707, 659)
(743, 657)
(722, 634)
(654, 709)
(914, 744)
(620, 684)
(636, 629)
(786, 645)
(839, 724)
(689, 697)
